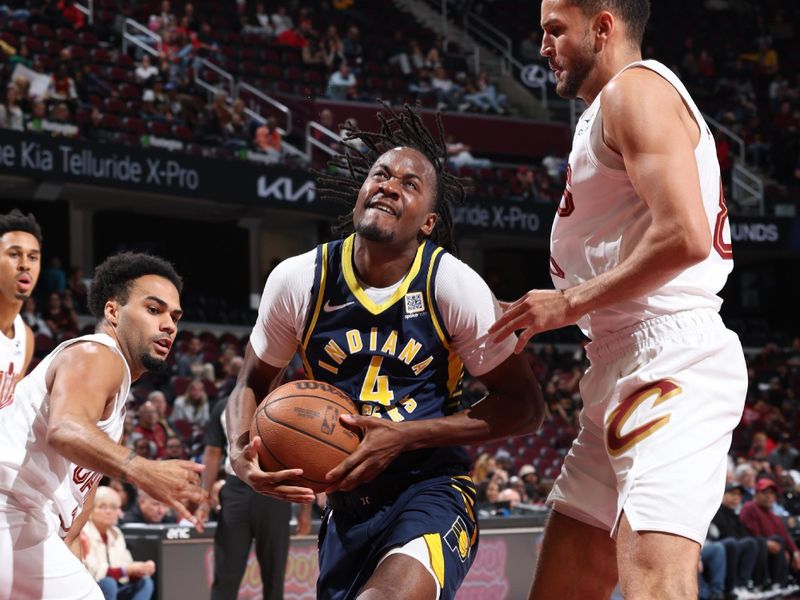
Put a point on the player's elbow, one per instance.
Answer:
(60, 435)
(531, 409)
(692, 246)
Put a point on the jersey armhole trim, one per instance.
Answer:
(312, 322)
(435, 318)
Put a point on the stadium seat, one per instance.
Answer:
(66, 35)
(42, 31)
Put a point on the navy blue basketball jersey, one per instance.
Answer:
(393, 359)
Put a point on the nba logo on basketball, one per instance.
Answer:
(329, 420)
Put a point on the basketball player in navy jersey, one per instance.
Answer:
(20, 264)
(389, 316)
(640, 248)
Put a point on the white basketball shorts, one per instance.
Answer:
(36, 563)
(660, 402)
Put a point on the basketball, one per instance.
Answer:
(298, 423)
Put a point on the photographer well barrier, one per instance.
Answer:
(503, 569)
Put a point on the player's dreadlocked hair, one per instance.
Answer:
(397, 128)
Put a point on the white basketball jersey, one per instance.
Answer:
(601, 220)
(32, 474)
(12, 359)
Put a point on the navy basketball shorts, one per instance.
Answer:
(355, 535)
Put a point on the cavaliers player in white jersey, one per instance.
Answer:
(640, 248)
(20, 263)
(61, 430)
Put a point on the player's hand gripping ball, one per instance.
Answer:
(299, 426)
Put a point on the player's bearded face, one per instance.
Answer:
(575, 68)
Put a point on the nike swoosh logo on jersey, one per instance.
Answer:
(328, 307)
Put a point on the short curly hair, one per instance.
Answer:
(16, 221)
(112, 278)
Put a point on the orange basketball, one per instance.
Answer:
(299, 426)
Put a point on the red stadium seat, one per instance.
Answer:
(134, 125)
(42, 31)
(66, 35)
(159, 129)
(182, 133)
(179, 383)
(20, 27)
(87, 39)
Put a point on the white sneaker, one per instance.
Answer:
(742, 593)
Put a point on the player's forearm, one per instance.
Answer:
(660, 256)
(239, 415)
(211, 459)
(86, 445)
(499, 415)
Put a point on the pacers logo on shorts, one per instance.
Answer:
(457, 539)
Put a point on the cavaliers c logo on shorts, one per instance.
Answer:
(616, 442)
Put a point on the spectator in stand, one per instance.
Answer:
(193, 405)
(333, 48)
(149, 510)
(511, 496)
(351, 45)
(62, 86)
(761, 446)
(525, 187)
(107, 557)
(150, 428)
(397, 53)
(161, 405)
(61, 320)
(742, 550)
(174, 449)
(260, 24)
(192, 362)
(485, 97)
(77, 286)
(533, 489)
(460, 155)
(711, 571)
(53, 277)
(340, 83)
(784, 455)
(415, 55)
(281, 20)
(93, 130)
(11, 116)
(231, 370)
(420, 84)
(267, 140)
(235, 133)
(448, 93)
(759, 519)
(21, 57)
(146, 71)
(529, 48)
(72, 14)
(143, 447)
(33, 319)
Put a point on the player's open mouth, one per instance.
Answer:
(382, 206)
(163, 345)
(24, 282)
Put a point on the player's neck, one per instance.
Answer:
(608, 67)
(379, 264)
(136, 369)
(9, 312)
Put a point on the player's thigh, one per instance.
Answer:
(669, 433)
(560, 575)
(51, 572)
(655, 565)
(403, 577)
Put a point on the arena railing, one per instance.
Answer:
(312, 142)
(87, 9)
(135, 33)
(229, 85)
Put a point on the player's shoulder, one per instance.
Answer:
(293, 266)
(455, 277)
(90, 354)
(637, 91)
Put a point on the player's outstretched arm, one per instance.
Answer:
(512, 407)
(645, 121)
(82, 381)
(255, 381)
